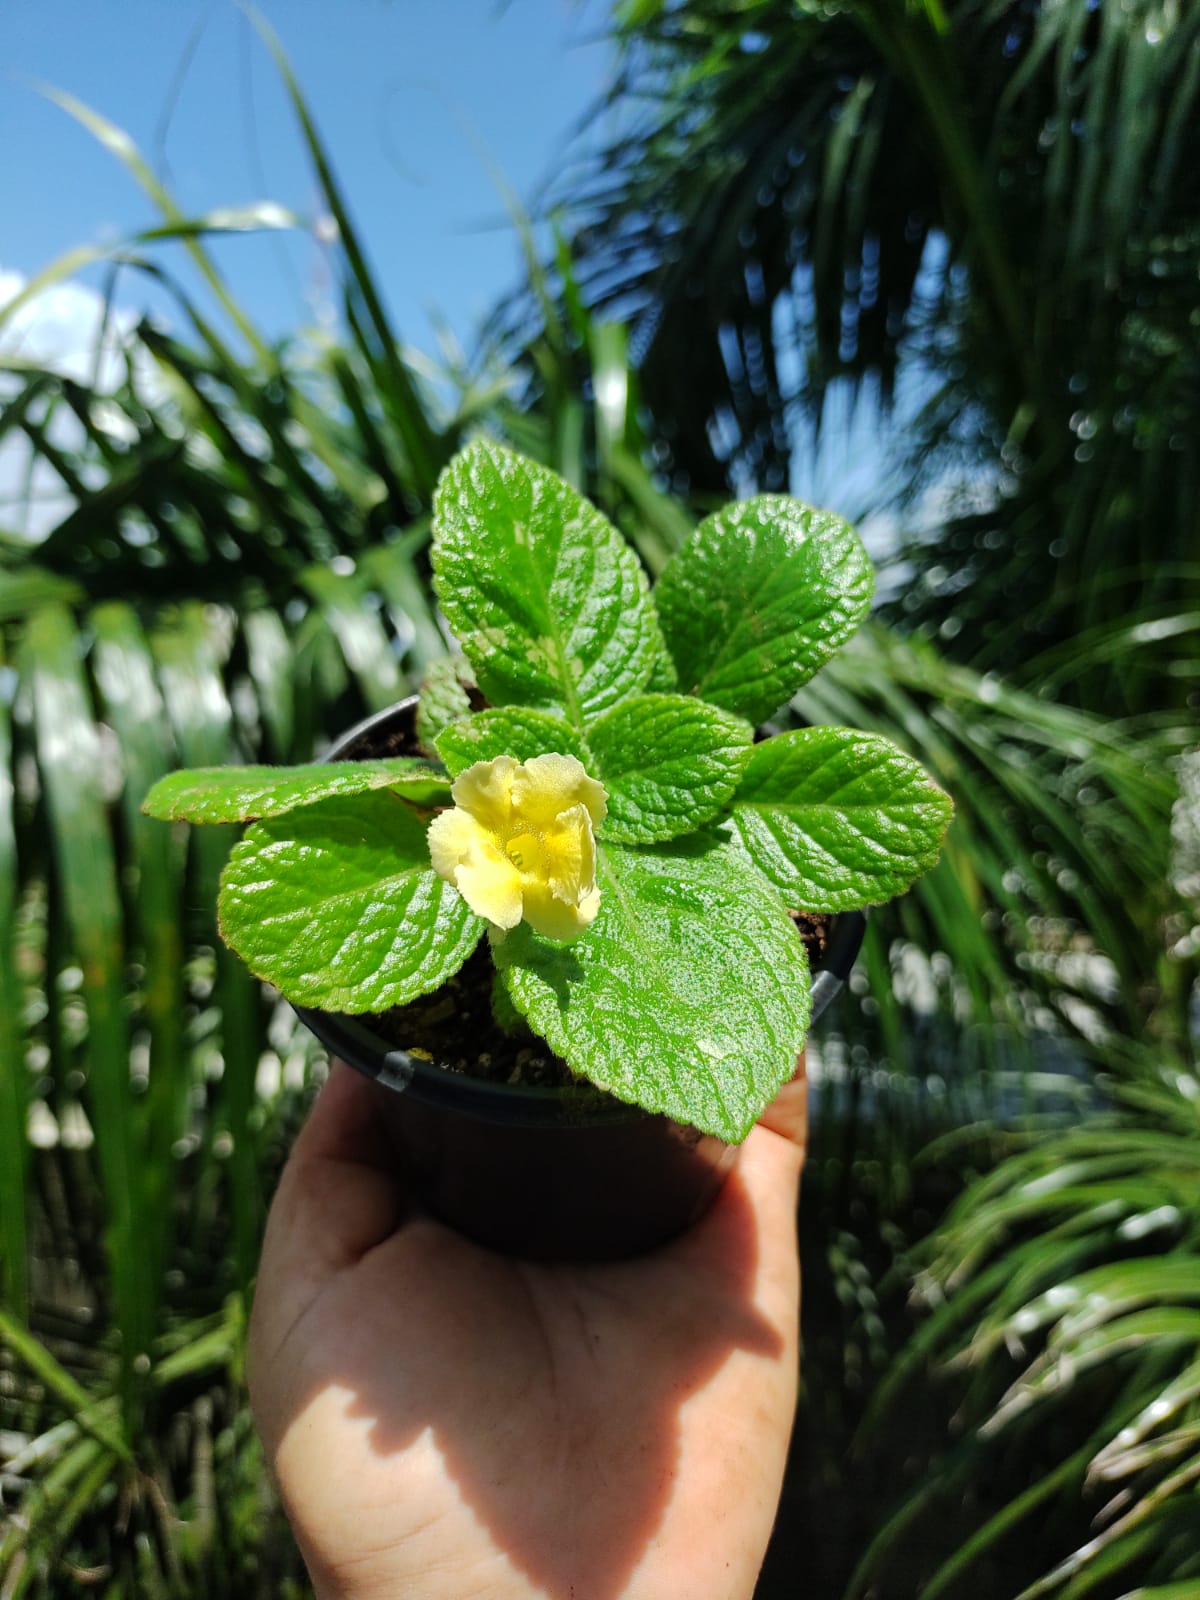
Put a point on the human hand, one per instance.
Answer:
(445, 1422)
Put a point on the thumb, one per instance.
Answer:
(340, 1195)
(787, 1115)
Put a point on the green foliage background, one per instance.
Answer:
(245, 571)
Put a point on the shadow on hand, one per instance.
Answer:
(552, 1392)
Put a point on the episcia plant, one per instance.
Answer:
(608, 820)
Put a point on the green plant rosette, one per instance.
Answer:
(689, 994)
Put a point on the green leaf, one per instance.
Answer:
(49, 1371)
(244, 794)
(359, 631)
(838, 819)
(187, 650)
(14, 1078)
(443, 698)
(515, 731)
(761, 595)
(689, 995)
(663, 678)
(339, 907)
(132, 706)
(668, 762)
(547, 600)
(88, 890)
(28, 587)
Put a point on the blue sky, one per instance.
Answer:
(416, 100)
(409, 96)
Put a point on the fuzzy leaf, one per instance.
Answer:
(689, 995)
(547, 600)
(515, 731)
(243, 794)
(838, 819)
(663, 678)
(668, 762)
(338, 906)
(443, 698)
(762, 594)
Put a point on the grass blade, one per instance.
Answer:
(50, 1372)
(425, 450)
(13, 1096)
(203, 721)
(133, 706)
(360, 634)
(69, 759)
(272, 667)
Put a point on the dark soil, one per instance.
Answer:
(400, 740)
(814, 930)
(385, 746)
(455, 1026)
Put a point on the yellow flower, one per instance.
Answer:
(519, 843)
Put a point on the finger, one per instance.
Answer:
(341, 1192)
(344, 1124)
(752, 1226)
(767, 1176)
(787, 1115)
(337, 1199)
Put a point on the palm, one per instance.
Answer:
(770, 211)
(447, 1421)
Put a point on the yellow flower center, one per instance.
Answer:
(525, 853)
(519, 843)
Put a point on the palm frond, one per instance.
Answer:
(1065, 1315)
(1044, 917)
(997, 200)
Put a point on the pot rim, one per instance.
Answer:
(352, 1040)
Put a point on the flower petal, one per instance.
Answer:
(545, 786)
(453, 836)
(467, 855)
(519, 842)
(485, 790)
(491, 886)
(569, 855)
(554, 918)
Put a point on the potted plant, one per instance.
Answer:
(578, 859)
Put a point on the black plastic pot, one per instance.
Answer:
(539, 1172)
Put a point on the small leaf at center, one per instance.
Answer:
(668, 762)
(513, 731)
